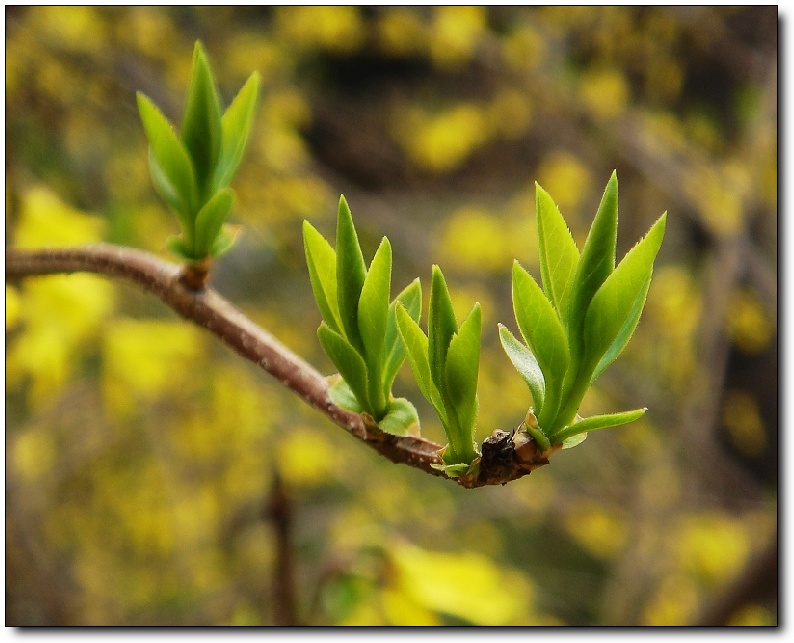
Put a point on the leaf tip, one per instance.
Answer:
(658, 228)
(144, 101)
(344, 217)
(308, 228)
(518, 270)
(198, 51)
(437, 278)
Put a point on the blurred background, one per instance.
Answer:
(153, 477)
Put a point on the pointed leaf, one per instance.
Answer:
(463, 359)
(350, 273)
(597, 422)
(625, 333)
(441, 325)
(416, 349)
(558, 253)
(393, 350)
(526, 364)
(616, 306)
(201, 123)
(348, 362)
(373, 305)
(373, 311)
(574, 441)
(236, 129)
(321, 261)
(169, 193)
(595, 265)
(173, 162)
(544, 334)
(401, 419)
(210, 220)
(461, 371)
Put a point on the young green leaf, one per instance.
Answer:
(225, 239)
(201, 122)
(171, 196)
(210, 219)
(441, 326)
(349, 363)
(595, 264)
(373, 311)
(373, 305)
(616, 305)
(235, 130)
(393, 350)
(416, 349)
(460, 386)
(544, 334)
(342, 395)
(173, 170)
(558, 253)
(597, 422)
(181, 249)
(574, 441)
(321, 260)
(526, 364)
(625, 333)
(350, 273)
(401, 419)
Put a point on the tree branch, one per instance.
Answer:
(285, 591)
(205, 308)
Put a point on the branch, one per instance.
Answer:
(285, 604)
(205, 308)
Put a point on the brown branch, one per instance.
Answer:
(501, 463)
(285, 603)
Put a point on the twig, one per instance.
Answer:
(205, 308)
(285, 604)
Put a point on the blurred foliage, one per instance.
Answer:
(140, 452)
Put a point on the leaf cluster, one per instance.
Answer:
(191, 170)
(445, 363)
(359, 329)
(578, 323)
